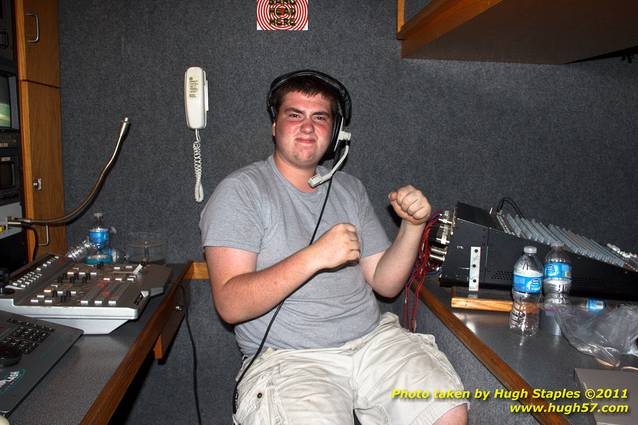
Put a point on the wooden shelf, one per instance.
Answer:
(525, 31)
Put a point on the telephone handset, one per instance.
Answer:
(196, 106)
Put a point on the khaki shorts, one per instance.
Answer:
(324, 386)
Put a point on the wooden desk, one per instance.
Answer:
(89, 381)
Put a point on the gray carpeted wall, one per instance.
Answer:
(560, 140)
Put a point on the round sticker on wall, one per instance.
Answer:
(286, 15)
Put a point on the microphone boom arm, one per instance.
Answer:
(87, 200)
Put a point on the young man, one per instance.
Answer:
(329, 350)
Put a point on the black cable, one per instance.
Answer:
(511, 202)
(192, 340)
(272, 319)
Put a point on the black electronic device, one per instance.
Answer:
(13, 245)
(7, 44)
(9, 108)
(29, 348)
(96, 298)
(10, 167)
(475, 247)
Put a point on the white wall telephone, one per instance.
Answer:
(196, 105)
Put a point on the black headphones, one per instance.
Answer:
(343, 99)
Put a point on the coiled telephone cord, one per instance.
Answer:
(197, 164)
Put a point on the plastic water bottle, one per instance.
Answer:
(552, 302)
(526, 293)
(557, 281)
(557, 277)
(100, 241)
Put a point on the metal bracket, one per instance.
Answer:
(475, 268)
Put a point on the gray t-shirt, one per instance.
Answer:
(258, 210)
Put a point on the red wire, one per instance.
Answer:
(415, 276)
(418, 275)
(424, 255)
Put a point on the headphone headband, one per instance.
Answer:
(345, 104)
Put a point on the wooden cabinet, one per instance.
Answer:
(37, 49)
(526, 31)
(37, 41)
(43, 161)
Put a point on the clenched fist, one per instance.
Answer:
(337, 246)
(410, 204)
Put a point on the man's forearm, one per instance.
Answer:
(252, 294)
(241, 293)
(396, 263)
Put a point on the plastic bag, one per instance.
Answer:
(606, 335)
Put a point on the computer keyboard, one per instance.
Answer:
(29, 348)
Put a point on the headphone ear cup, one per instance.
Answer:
(336, 126)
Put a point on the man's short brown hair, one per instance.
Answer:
(307, 85)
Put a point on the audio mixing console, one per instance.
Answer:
(95, 298)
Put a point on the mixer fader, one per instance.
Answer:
(95, 298)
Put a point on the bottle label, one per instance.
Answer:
(594, 304)
(529, 284)
(99, 237)
(554, 270)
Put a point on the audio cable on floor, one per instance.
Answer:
(192, 340)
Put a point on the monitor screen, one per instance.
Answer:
(5, 102)
(7, 174)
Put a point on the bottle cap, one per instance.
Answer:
(557, 245)
(529, 250)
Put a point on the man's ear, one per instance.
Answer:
(274, 126)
